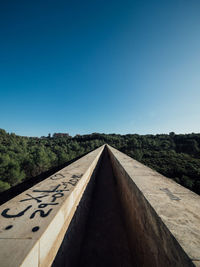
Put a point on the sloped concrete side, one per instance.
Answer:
(93, 236)
(162, 217)
(71, 246)
(33, 224)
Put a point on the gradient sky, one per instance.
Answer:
(114, 66)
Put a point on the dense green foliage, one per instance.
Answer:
(175, 156)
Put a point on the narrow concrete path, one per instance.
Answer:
(105, 240)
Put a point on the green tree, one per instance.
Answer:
(4, 186)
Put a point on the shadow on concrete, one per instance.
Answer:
(96, 235)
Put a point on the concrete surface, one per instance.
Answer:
(33, 224)
(162, 217)
(97, 235)
(105, 242)
(122, 214)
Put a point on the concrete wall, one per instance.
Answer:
(33, 224)
(162, 217)
(70, 248)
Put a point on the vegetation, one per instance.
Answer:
(175, 156)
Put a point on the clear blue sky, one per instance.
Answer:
(99, 66)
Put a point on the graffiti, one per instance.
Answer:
(42, 213)
(73, 181)
(44, 205)
(35, 198)
(57, 195)
(8, 227)
(57, 176)
(21, 213)
(77, 176)
(39, 195)
(169, 193)
(65, 184)
(48, 190)
(35, 229)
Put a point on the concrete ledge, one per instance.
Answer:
(162, 217)
(34, 223)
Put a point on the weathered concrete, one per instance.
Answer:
(97, 235)
(106, 240)
(33, 224)
(162, 217)
(71, 246)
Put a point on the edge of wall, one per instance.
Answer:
(162, 217)
(71, 246)
(34, 223)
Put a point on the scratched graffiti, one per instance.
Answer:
(39, 197)
(169, 193)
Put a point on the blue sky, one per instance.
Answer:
(114, 66)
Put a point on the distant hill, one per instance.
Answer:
(175, 156)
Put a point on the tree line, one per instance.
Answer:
(176, 156)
